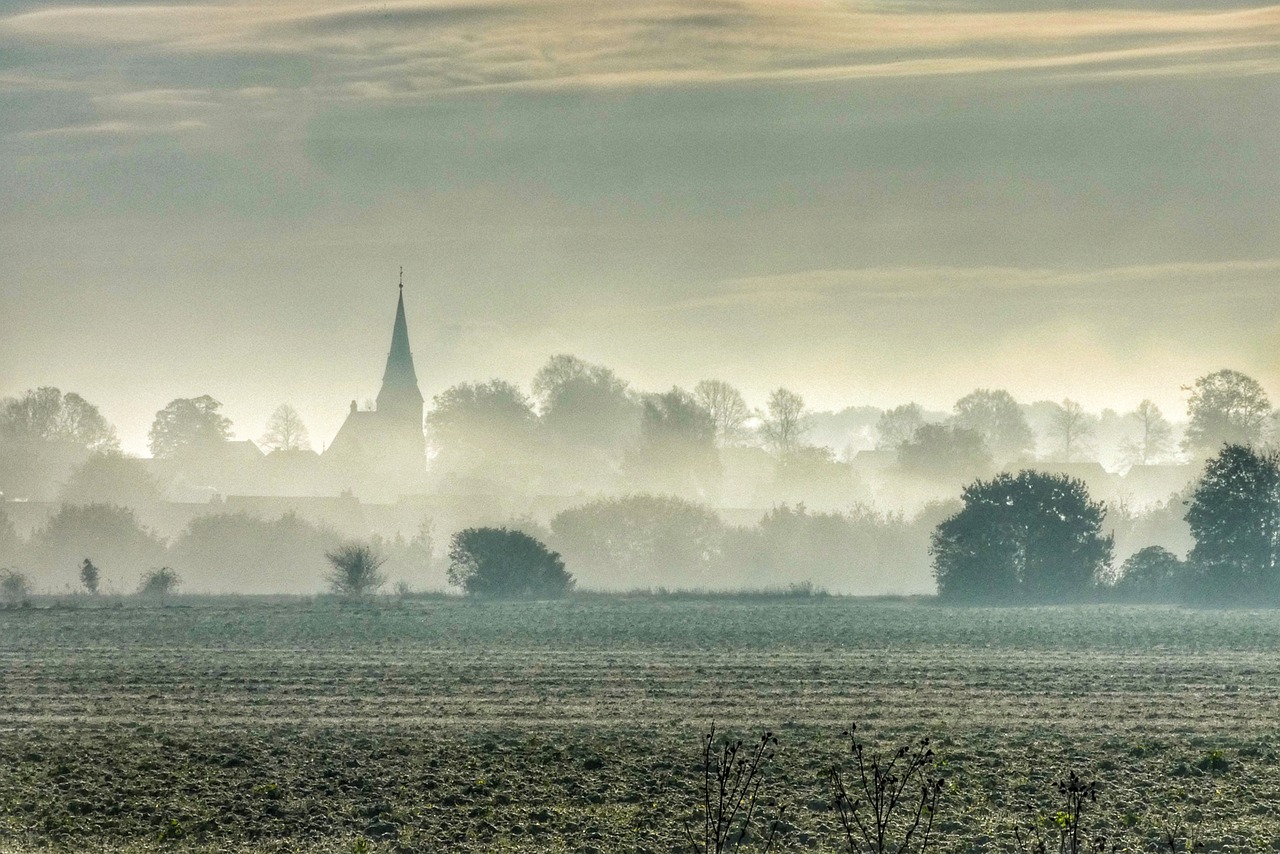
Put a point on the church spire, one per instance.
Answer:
(400, 396)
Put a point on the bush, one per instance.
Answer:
(355, 570)
(500, 563)
(15, 587)
(159, 583)
(1153, 574)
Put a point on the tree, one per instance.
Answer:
(944, 451)
(639, 541)
(1153, 437)
(1152, 574)
(285, 431)
(47, 415)
(15, 587)
(483, 430)
(899, 425)
(188, 425)
(1028, 537)
(110, 477)
(676, 452)
(1234, 515)
(501, 563)
(1225, 407)
(239, 553)
(159, 584)
(354, 570)
(10, 543)
(1071, 427)
(89, 577)
(112, 534)
(585, 404)
(999, 420)
(728, 410)
(785, 425)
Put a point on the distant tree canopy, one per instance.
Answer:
(939, 451)
(10, 542)
(110, 477)
(285, 431)
(1225, 407)
(188, 425)
(1030, 537)
(676, 451)
(639, 540)
(120, 545)
(471, 423)
(728, 409)
(899, 425)
(784, 425)
(236, 552)
(47, 415)
(585, 404)
(501, 563)
(996, 416)
(1234, 515)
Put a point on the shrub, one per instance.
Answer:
(1153, 574)
(15, 587)
(89, 577)
(159, 583)
(502, 563)
(354, 572)
(891, 802)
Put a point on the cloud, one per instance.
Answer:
(430, 47)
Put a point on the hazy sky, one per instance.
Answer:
(869, 203)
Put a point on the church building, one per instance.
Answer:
(381, 453)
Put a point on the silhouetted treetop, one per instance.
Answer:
(188, 425)
(46, 414)
(999, 420)
(1225, 407)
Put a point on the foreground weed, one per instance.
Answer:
(732, 774)
(1066, 826)
(887, 804)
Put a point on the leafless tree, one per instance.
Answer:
(285, 431)
(1153, 439)
(1071, 427)
(728, 410)
(785, 423)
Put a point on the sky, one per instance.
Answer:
(868, 203)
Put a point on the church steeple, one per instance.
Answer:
(399, 396)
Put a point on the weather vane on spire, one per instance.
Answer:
(402, 278)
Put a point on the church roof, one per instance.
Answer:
(399, 393)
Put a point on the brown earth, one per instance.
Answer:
(575, 726)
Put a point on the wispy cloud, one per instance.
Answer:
(414, 47)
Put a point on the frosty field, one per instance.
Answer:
(430, 725)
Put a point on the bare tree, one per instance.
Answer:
(728, 410)
(1153, 439)
(785, 423)
(285, 431)
(1071, 427)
